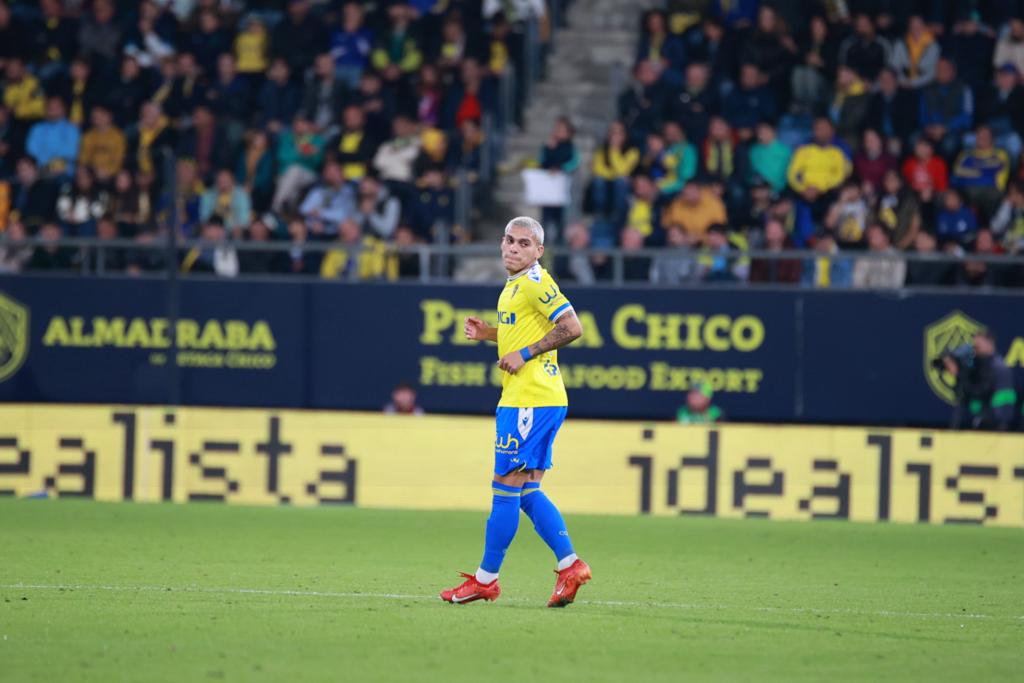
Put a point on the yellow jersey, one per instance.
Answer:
(527, 310)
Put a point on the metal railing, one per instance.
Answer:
(441, 262)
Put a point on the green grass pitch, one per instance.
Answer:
(111, 592)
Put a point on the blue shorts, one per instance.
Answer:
(524, 438)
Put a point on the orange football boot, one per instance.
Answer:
(569, 581)
(471, 590)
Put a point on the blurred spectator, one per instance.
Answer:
(298, 259)
(53, 143)
(850, 107)
(252, 261)
(278, 99)
(469, 97)
(363, 257)
(329, 203)
(106, 259)
(432, 209)
(324, 95)
(144, 43)
(229, 94)
(847, 218)
(719, 153)
(693, 107)
(810, 78)
(881, 269)
(395, 158)
(635, 268)
(956, 223)
(251, 48)
(350, 45)
(80, 91)
(214, 254)
(255, 169)
(15, 253)
(403, 401)
(207, 142)
(642, 105)
(769, 158)
(981, 172)
(771, 48)
(898, 210)
(576, 266)
(970, 45)
(81, 203)
(127, 93)
(684, 158)
(130, 205)
(824, 270)
(33, 199)
(873, 162)
(916, 55)
(228, 202)
(14, 35)
(695, 209)
(430, 97)
(23, 96)
(678, 263)
(986, 397)
(186, 90)
(662, 50)
(50, 256)
(558, 155)
(981, 273)
(299, 37)
(151, 140)
(699, 409)
(103, 146)
(893, 111)
(613, 163)
(720, 260)
(397, 53)
(55, 38)
(1002, 109)
(924, 172)
(752, 101)
(299, 154)
(99, 35)
(435, 153)
(1008, 222)
(929, 269)
(353, 147)
(818, 167)
(643, 214)
(865, 52)
(377, 212)
(1010, 47)
(947, 108)
(208, 41)
(775, 270)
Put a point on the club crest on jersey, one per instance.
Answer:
(549, 295)
(515, 290)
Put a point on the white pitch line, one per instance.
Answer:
(401, 596)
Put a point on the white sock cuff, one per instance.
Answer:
(567, 561)
(485, 577)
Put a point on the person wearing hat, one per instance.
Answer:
(699, 409)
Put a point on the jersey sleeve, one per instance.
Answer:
(547, 299)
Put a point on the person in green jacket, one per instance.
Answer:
(769, 158)
(699, 409)
(300, 152)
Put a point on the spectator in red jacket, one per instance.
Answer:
(925, 172)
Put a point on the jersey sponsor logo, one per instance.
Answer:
(549, 295)
(534, 273)
(506, 318)
(13, 336)
(507, 445)
(955, 330)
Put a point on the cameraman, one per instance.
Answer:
(984, 385)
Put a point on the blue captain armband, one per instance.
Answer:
(525, 354)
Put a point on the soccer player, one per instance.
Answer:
(534, 320)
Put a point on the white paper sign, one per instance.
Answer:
(544, 188)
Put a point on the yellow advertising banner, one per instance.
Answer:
(268, 457)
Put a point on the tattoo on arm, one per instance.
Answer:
(566, 329)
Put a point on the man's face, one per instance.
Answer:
(983, 345)
(54, 109)
(404, 398)
(1006, 80)
(354, 118)
(822, 132)
(332, 174)
(984, 138)
(520, 249)
(214, 233)
(691, 193)
(696, 401)
(225, 182)
(945, 73)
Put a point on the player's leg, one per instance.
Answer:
(503, 522)
(547, 520)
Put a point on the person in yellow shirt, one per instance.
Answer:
(818, 168)
(23, 94)
(613, 163)
(695, 209)
(643, 205)
(251, 48)
(364, 257)
(103, 146)
(534, 320)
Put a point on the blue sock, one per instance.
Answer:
(547, 520)
(501, 525)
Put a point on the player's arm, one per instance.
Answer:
(478, 330)
(566, 330)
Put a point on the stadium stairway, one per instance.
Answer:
(589, 65)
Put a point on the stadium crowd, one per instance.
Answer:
(297, 121)
(830, 126)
